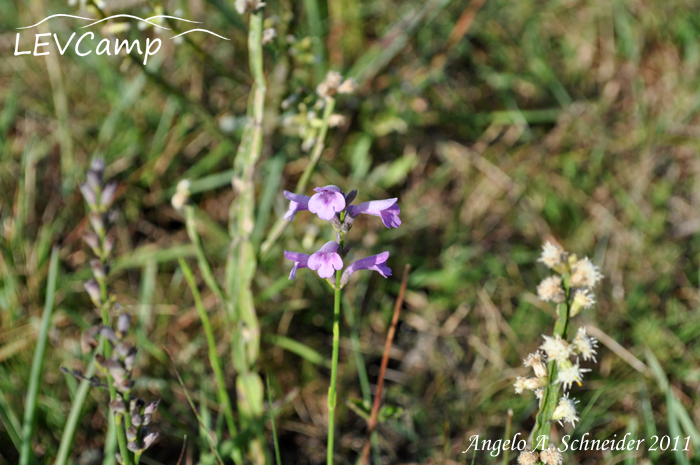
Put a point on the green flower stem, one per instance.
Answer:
(121, 437)
(334, 368)
(550, 395)
(107, 351)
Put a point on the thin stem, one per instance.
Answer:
(550, 394)
(121, 437)
(272, 419)
(74, 416)
(204, 267)
(334, 368)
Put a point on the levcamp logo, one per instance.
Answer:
(84, 45)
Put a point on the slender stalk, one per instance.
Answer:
(509, 427)
(213, 355)
(334, 368)
(73, 417)
(550, 395)
(204, 267)
(107, 350)
(38, 362)
(272, 419)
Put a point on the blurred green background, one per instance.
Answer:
(497, 124)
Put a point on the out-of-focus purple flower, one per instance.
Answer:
(388, 210)
(327, 202)
(297, 203)
(375, 262)
(326, 260)
(301, 260)
(108, 193)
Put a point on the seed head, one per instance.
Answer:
(569, 374)
(556, 348)
(531, 384)
(182, 194)
(585, 345)
(566, 411)
(536, 361)
(551, 456)
(528, 457)
(552, 255)
(268, 35)
(248, 6)
(585, 274)
(550, 290)
(334, 84)
(583, 298)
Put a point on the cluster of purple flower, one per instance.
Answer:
(332, 204)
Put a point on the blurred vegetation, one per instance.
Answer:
(498, 126)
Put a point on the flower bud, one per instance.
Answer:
(117, 406)
(89, 342)
(151, 407)
(108, 246)
(107, 194)
(95, 174)
(350, 197)
(99, 271)
(93, 290)
(123, 324)
(150, 439)
(89, 195)
(124, 349)
(97, 222)
(93, 242)
(268, 35)
(109, 334)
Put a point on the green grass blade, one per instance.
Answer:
(9, 421)
(38, 362)
(298, 348)
(272, 419)
(214, 359)
(73, 418)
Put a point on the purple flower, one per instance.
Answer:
(388, 210)
(326, 260)
(297, 203)
(327, 202)
(301, 260)
(375, 262)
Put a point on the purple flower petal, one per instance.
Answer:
(388, 210)
(301, 260)
(297, 203)
(326, 260)
(327, 202)
(374, 262)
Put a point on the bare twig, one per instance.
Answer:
(372, 422)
